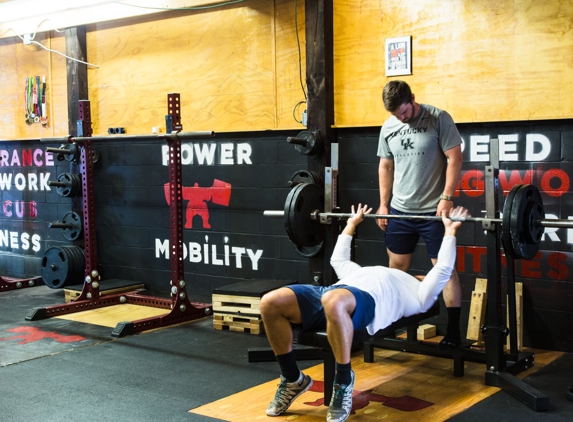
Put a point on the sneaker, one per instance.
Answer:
(341, 402)
(287, 393)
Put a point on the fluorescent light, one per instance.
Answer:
(23, 9)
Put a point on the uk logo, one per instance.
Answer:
(198, 198)
(407, 144)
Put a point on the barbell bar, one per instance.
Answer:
(183, 136)
(522, 224)
(317, 215)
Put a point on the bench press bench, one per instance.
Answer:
(318, 339)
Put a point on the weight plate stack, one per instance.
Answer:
(304, 176)
(63, 265)
(73, 185)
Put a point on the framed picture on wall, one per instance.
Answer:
(399, 56)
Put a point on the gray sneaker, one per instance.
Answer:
(287, 393)
(341, 402)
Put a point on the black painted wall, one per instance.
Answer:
(548, 164)
(234, 177)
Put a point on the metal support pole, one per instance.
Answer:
(495, 331)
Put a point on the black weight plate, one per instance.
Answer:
(311, 146)
(76, 259)
(308, 232)
(73, 184)
(55, 267)
(519, 223)
(309, 251)
(65, 191)
(534, 212)
(506, 232)
(72, 233)
(73, 155)
(308, 198)
(298, 228)
(304, 176)
(288, 213)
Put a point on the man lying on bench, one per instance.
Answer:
(364, 297)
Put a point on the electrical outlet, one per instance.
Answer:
(27, 39)
(304, 118)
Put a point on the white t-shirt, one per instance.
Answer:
(397, 294)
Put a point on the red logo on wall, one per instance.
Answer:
(198, 197)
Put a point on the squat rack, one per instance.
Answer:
(13, 283)
(182, 310)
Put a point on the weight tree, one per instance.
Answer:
(181, 309)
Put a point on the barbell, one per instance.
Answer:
(523, 219)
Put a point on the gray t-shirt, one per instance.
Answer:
(417, 148)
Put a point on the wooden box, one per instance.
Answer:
(237, 307)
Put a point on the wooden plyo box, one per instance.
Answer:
(107, 287)
(242, 324)
(237, 307)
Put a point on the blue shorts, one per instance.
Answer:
(402, 235)
(309, 301)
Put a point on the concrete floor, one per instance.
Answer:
(162, 374)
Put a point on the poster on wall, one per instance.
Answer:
(399, 56)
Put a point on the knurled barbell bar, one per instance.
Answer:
(522, 224)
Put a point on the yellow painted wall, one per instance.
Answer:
(482, 60)
(19, 61)
(237, 68)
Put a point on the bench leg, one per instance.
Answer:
(412, 333)
(458, 363)
(329, 369)
(368, 352)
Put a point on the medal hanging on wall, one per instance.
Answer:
(35, 101)
(43, 109)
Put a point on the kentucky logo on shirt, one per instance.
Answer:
(407, 144)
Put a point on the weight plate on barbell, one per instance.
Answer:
(309, 251)
(506, 232)
(302, 200)
(525, 231)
